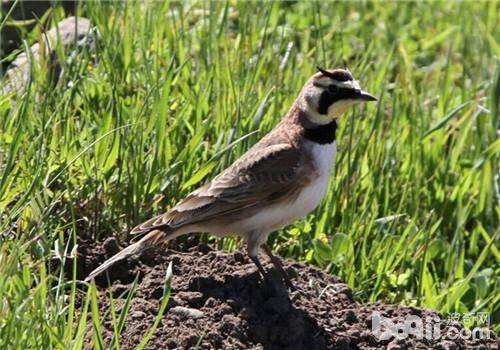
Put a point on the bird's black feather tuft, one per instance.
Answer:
(337, 74)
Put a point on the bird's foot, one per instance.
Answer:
(278, 265)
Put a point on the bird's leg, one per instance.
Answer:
(278, 265)
(253, 252)
(261, 269)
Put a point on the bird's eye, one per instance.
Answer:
(333, 89)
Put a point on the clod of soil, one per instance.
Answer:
(219, 301)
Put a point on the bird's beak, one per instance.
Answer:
(365, 96)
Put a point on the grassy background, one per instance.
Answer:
(174, 92)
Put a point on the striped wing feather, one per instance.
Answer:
(258, 177)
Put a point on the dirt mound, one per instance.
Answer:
(219, 301)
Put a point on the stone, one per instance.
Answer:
(72, 32)
(25, 14)
(186, 312)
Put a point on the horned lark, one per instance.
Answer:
(280, 179)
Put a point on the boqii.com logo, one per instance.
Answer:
(430, 327)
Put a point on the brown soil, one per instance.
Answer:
(219, 301)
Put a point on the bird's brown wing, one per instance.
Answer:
(260, 176)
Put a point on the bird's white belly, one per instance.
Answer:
(281, 214)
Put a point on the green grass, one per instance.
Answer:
(174, 93)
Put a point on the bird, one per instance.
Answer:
(280, 179)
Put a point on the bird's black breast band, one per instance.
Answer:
(321, 134)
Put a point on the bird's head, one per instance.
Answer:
(329, 93)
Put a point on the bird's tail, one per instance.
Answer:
(153, 238)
